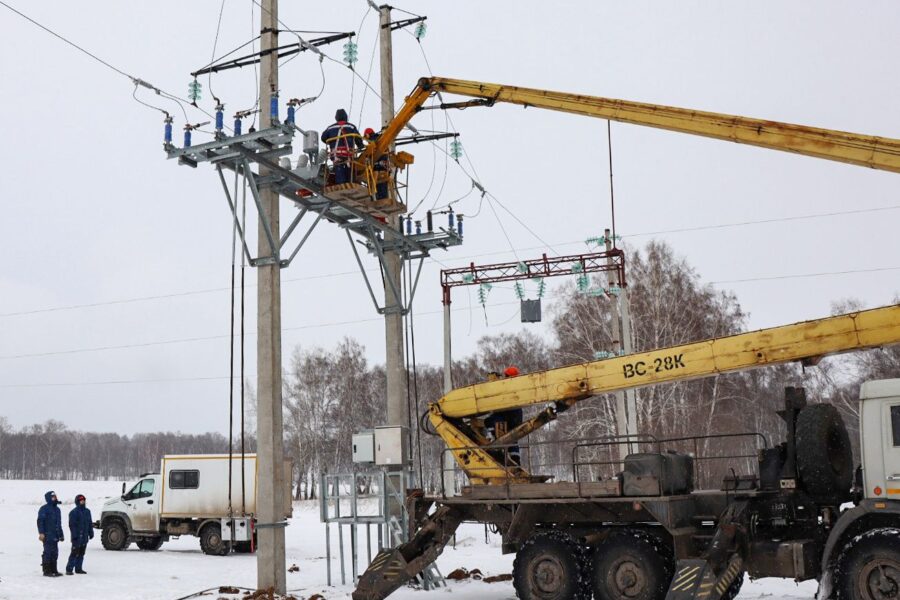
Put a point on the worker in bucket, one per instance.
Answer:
(342, 139)
(382, 164)
(82, 530)
(502, 422)
(50, 533)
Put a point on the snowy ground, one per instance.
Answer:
(179, 568)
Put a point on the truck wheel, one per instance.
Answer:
(869, 566)
(632, 565)
(211, 541)
(114, 536)
(824, 456)
(153, 543)
(551, 565)
(734, 589)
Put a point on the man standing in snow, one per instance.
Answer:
(81, 529)
(50, 532)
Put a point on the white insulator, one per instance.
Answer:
(323, 156)
(302, 161)
(285, 163)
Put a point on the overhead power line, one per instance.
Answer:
(805, 275)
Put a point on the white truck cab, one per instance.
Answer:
(880, 438)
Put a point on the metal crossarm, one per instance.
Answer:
(306, 190)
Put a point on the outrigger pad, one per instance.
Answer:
(695, 580)
(391, 569)
(387, 573)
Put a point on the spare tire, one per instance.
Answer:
(824, 455)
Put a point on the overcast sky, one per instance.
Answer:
(93, 213)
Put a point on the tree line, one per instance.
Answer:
(52, 451)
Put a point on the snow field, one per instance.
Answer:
(180, 568)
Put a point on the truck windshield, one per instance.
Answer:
(895, 424)
(142, 489)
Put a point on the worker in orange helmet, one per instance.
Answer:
(382, 164)
(502, 422)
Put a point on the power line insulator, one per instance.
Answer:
(351, 53)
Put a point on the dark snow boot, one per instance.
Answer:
(81, 571)
(54, 572)
(45, 568)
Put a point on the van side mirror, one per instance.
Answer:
(123, 488)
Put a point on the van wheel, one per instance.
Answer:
(114, 536)
(632, 565)
(153, 543)
(869, 566)
(824, 456)
(551, 565)
(211, 541)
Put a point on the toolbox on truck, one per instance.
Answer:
(658, 473)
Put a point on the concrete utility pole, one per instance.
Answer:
(616, 346)
(393, 265)
(270, 565)
(448, 463)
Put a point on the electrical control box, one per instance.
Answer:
(531, 311)
(364, 447)
(241, 530)
(391, 446)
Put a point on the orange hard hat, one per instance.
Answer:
(511, 372)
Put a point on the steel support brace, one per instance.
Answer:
(401, 308)
(275, 257)
(237, 222)
(306, 235)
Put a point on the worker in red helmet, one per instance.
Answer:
(382, 164)
(511, 372)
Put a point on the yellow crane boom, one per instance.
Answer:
(858, 149)
(564, 386)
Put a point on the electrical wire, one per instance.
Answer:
(805, 275)
(213, 53)
(358, 37)
(462, 258)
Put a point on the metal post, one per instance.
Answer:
(270, 560)
(448, 463)
(393, 264)
(616, 346)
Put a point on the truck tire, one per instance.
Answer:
(153, 543)
(734, 589)
(114, 536)
(211, 541)
(824, 455)
(869, 566)
(551, 565)
(632, 565)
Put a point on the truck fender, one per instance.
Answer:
(205, 522)
(870, 514)
(108, 516)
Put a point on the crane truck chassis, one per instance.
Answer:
(645, 533)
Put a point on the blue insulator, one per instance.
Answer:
(451, 220)
(459, 225)
(273, 107)
(408, 225)
(237, 127)
(418, 227)
(187, 138)
(220, 120)
(291, 112)
(168, 134)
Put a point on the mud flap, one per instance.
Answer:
(695, 579)
(392, 568)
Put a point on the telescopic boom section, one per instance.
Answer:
(857, 149)
(562, 387)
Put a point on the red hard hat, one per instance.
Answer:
(369, 131)
(511, 372)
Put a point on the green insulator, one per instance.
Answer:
(615, 290)
(194, 90)
(351, 53)
(520, 291)
(468, 277)
(577, 267)
(583, 283)
(421, 29)
(542, 287)
(456, 150)
(483, 290)
(523, 268)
